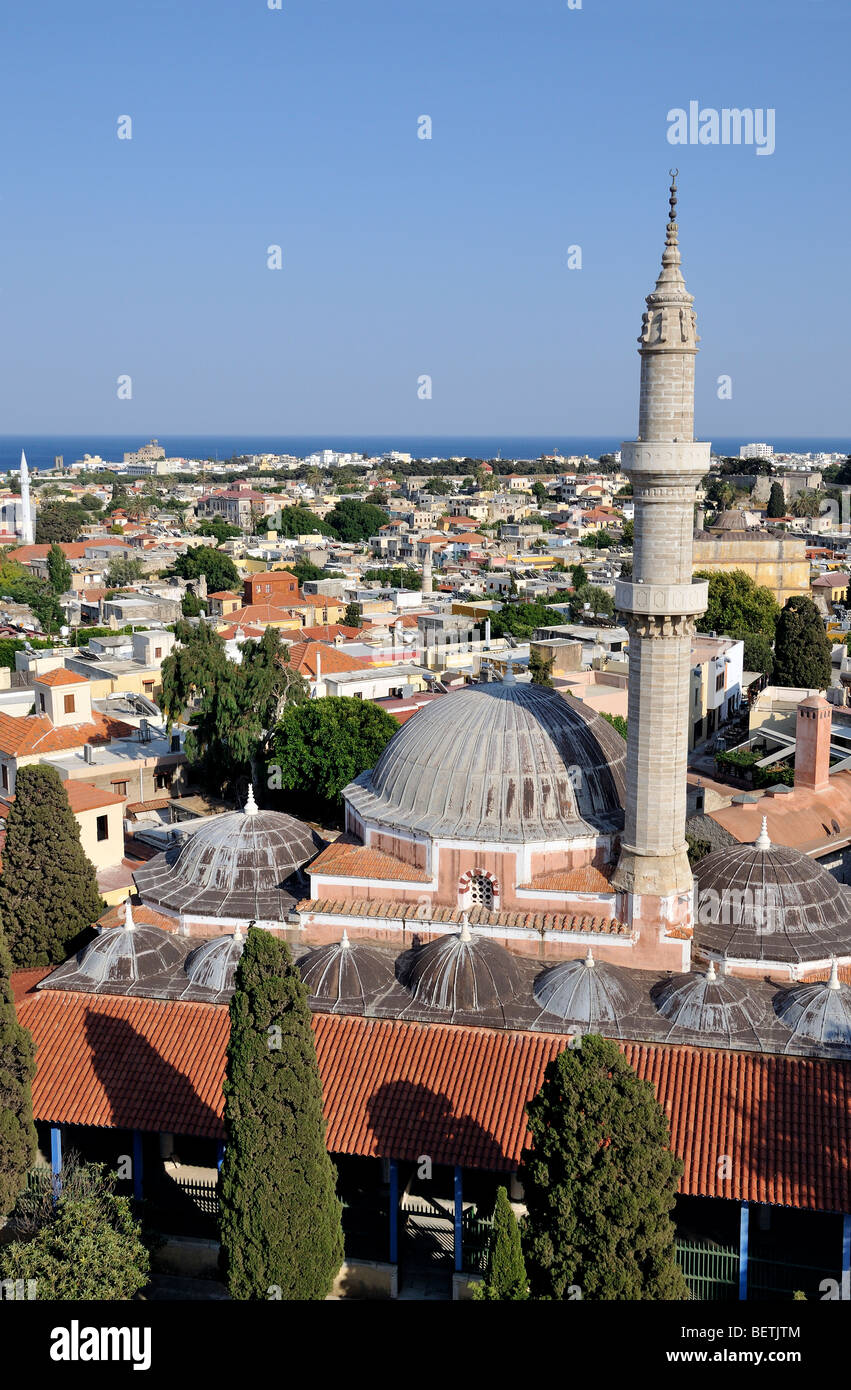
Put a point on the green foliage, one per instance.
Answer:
(59, 521)
(617, 721)
(218, 568)
(58, 570)
(757, 653)
(353, 616)
(521, 619)
(123, 570)
(628, 533)
(598, 601)
(719, 493)
(17, 1068)
(600, 1182)
(300, 521)
(322, 745)
(356, 521)
(235, 706)
(802, 647)
(776, 502)
(697, 849)
(541, 668)
(599, 540)
(49, 896)
(506, 1275)
(220, 530)
(744, 761)
(86, 1245)
(394, 577)
(807, 503)
(280, 1217)
(579, 576)
(737, 605)
(540, 492)
(191, 606)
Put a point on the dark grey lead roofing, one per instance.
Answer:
(127, 954)
(213, 966)
(236, 866)
(500, 761)
(345, 973)
(718, 1006)
(589, 995)
(765, 902)
(818, 1012)
(463, 972)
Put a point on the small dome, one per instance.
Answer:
(524, 763)
(765, 902)
(819, 1011)
(232, 867)
(127, 955)
(341, 973)
(591, 996)
(708, 1003)
(463, 973)
(213, 965)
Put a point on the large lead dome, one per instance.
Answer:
(498, 762)
(233, 867)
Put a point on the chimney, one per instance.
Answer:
(88, 753)
(812, 744)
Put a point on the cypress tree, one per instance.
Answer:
(49, 896)
(17, 1069)
(280, 1217)
(776, 502)
(506, 1277)
(58, 570)
(600, 1182)
(802, 648)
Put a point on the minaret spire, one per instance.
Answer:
(26, 505)
(660, 602)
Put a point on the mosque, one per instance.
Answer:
(512, 875)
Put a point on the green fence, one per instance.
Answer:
(711, 1271)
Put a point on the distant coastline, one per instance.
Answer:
(42, 449)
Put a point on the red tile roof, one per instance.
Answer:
(532, 921)
(34, 733)
(61, 677)
(459, 1094)
(303, 658)
(586, 879)
(345, 859)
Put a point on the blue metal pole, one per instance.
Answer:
(56, 1158)
(394, 1212)
(137, 1164)
(220, 1156)
(744, 1216)
(845, 1290)
(459, 1208)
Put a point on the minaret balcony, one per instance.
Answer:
(687, 459)
(662, 600)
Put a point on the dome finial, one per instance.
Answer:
(833, 982)
(762, 841)
(710, 974)
(345, 944)
(250, 807)
(589, 959)
(508, 678)
(129, 924)
(465, 933)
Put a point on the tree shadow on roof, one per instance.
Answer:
(410, 1121)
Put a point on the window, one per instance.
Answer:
(4, 777)
(719, 681)
(147, 686)
(162, 781)
(120, 788)
(158, 651)
(69, 704)
(103, 827)
(41, 701)
(481, 891)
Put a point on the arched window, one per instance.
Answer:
(481, 891)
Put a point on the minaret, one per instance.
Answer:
(660, 602)
(427, 574)
(26, 506)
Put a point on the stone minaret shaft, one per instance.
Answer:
(26, 505)
(660, 603)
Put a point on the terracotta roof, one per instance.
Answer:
(227, 634)
(459, 1094)
(72, 550)
(586, 879)
(61, 677)
(224, 593)
(82, 796)
(158, 803)
(531, 921)
(303, 658)
(346, 859)
(268, 613)
(328, 631)
(143, 917)
(34, 733)
(801, 818)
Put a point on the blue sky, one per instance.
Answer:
(401, 256)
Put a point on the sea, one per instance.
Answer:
(41, 450)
